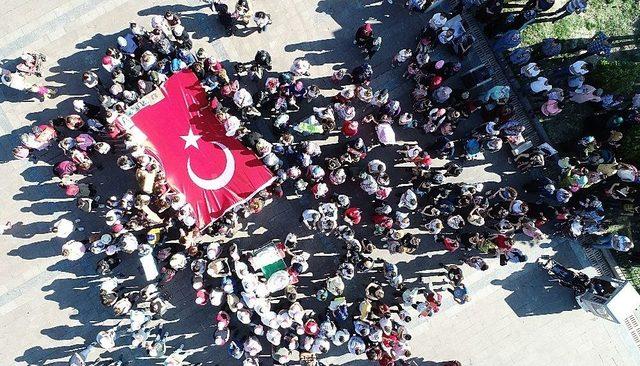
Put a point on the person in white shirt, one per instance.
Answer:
(376, 166)
(579, 68)
(437, 21)
(79, 358)
(434, 226)
(300, 67)
(106, 339)
(320, 345)
(274, 337)
(541, 84)
(340, 337)
(63, 228)
(530, 70)
(310, 218)
(73, 250)
(252, 346)
(401, 57)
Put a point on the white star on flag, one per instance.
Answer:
(191, 139)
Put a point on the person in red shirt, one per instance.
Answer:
(435, 300)
(350, 128)
(353, 215)
(382, 223)
(450, 244)
(386, 360)
(423, 160)
(363, 34)
(502, 242)
(389, 341)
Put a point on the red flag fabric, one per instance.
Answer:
(215, 172)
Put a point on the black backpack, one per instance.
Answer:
(106, 265)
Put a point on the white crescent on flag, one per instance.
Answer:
(220, 181)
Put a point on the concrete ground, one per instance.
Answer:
(49, 307)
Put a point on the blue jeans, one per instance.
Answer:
(604, 243)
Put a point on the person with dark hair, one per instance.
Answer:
(224, 16)
(262, 20)
(372, 46)
(477, 263)
(454, 273)
(362, 74)
(539, 5)
(364, 34)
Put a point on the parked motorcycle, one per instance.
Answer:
(577, 281)
(31, 63)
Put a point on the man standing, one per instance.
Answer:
(262, 20)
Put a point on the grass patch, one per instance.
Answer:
(614, 17)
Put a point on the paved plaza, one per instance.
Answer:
(50, 308)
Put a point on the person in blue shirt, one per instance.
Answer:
(508, 40)
(550, 47)
(460, 293)
(599, 45)
(520, 56)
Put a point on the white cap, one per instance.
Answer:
(78, 105)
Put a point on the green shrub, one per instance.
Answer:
(620, 77)
(630, 145)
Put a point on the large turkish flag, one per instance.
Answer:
(215, 172)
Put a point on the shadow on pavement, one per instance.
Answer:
(533, 294)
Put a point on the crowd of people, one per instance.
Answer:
(252, 317)
(593, 180)
(550, 89)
